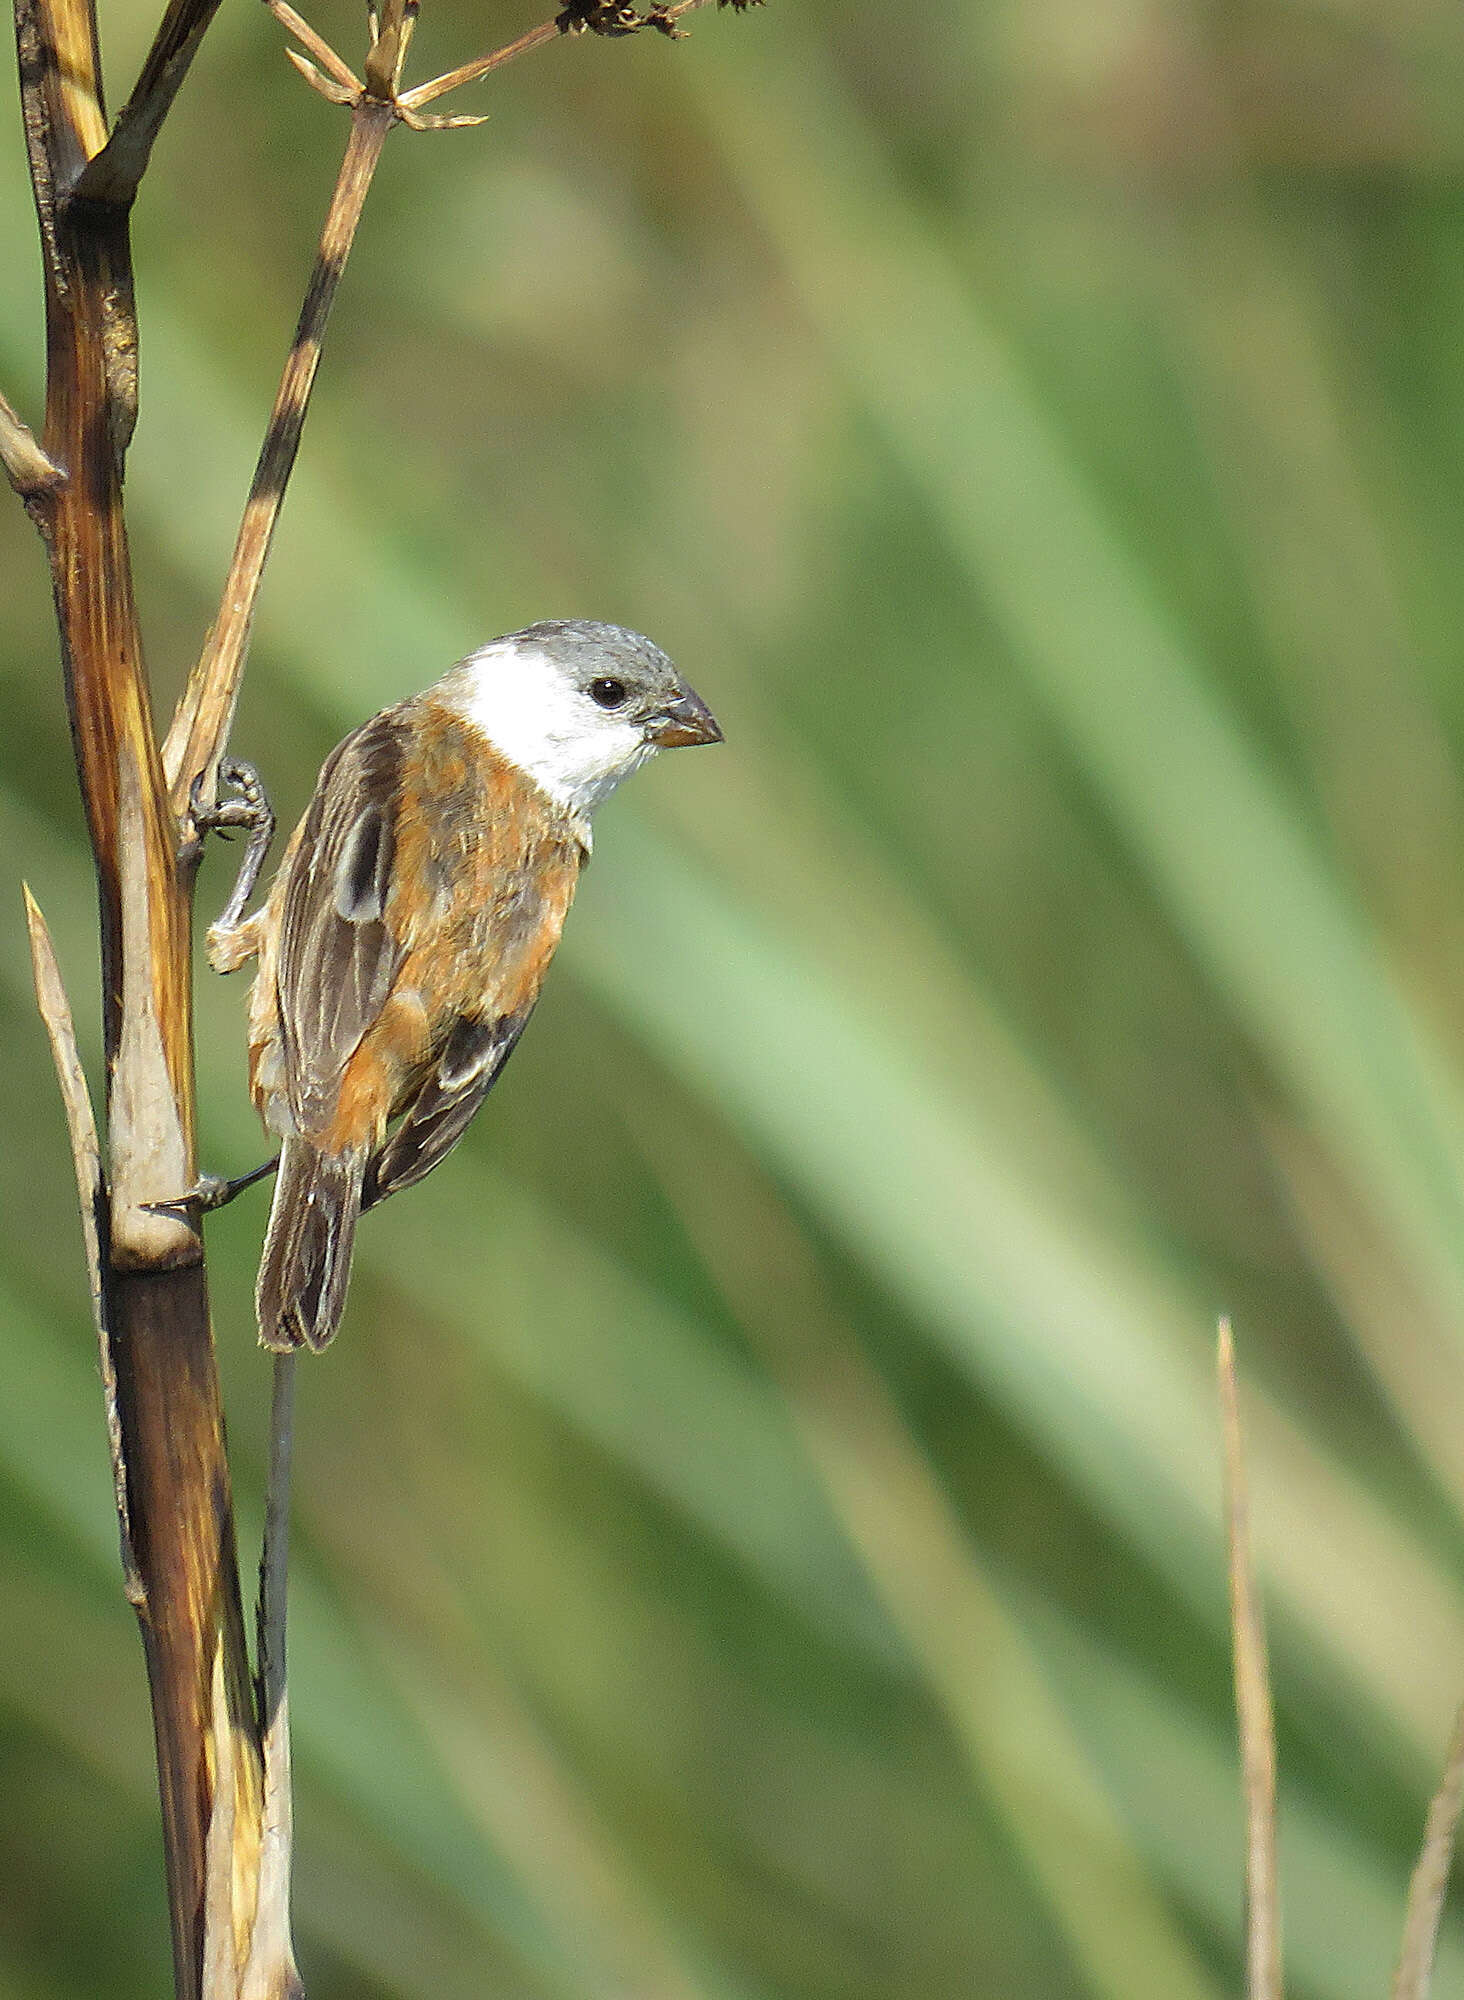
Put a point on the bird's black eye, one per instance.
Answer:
(609, 693)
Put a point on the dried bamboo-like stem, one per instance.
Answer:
(150, 1285)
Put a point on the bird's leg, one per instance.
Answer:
(244, 807)
(213, 1190)
(231, 940)
(247, 807)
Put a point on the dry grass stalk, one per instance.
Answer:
(1253, 1706)
(1431, 1877)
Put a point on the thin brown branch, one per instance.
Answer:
(117, 170)
(27, 467)
(1430, 1880)
(327, 87)
(317, 46)
(535, 38)
(200, 728)
(1253, 1706)
(469, 72)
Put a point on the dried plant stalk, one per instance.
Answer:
(201, 726)
(1431, 1877)
(150, 1285)
(1253, 1707)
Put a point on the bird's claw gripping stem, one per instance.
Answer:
(246, 808)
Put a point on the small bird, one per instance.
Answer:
(405, 939)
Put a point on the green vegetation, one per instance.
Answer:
(759, 1529)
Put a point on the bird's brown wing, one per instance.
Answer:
(440, 1113)
(337, 957)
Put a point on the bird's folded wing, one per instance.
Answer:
(337, 957)
(438, 1115)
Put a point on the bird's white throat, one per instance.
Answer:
(530, 709)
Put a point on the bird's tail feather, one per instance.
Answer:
(306, 1262)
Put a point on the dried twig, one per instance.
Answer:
(318, 48)
(27, 467)
(113, 174)
(1253, 1707)
(200, 728)
(626, 21)
(481, 66)
(1431, 1877)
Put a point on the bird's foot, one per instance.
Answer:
(212, 1191)
(245, 808)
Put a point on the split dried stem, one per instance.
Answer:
(91, 1195)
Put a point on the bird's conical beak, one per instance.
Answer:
(684, 721)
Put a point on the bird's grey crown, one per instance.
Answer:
(588, 648)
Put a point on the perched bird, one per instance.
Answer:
(405, 939)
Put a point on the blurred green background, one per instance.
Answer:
(758, 1532)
